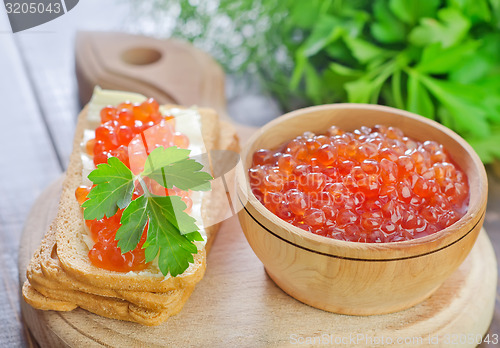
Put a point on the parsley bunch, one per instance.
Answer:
(438, 58)
(171, 231)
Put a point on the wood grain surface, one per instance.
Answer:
(21, 181)
(237, 304)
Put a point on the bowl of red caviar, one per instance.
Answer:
(360, 209)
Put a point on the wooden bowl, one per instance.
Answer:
(350, 277)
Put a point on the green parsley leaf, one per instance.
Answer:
(449, 31)
(387, 28)
(471, 69)
(480, 65)
(487, 147)
(359, 91)
(469, 115)
(298, 71)
(367, 88)
(170, 209)
(115, 183)
(313, 83)
(364, 51)
(133, 220)
(477, 10)
(170, 232)
(419, 100)
(410, 11)
(438, 60)
(172, 167)
(326, 30)
(194, 236)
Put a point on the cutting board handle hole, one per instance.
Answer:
(141, 56)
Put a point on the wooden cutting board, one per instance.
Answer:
(171, 71)
(237, 304)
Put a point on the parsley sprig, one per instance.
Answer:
(171, 231)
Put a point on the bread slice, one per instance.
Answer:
(37, 300)
(108, 307)
(45, 269)
(69, 225)
(61, 294)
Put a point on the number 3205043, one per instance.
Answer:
(32, 7)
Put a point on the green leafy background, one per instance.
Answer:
(438, 58)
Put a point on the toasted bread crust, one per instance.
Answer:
(39, 301)
(113, 308)
(46, 270)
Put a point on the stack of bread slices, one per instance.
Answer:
(61, 277)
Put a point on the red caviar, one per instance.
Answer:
(370, 185)
(121, 134)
